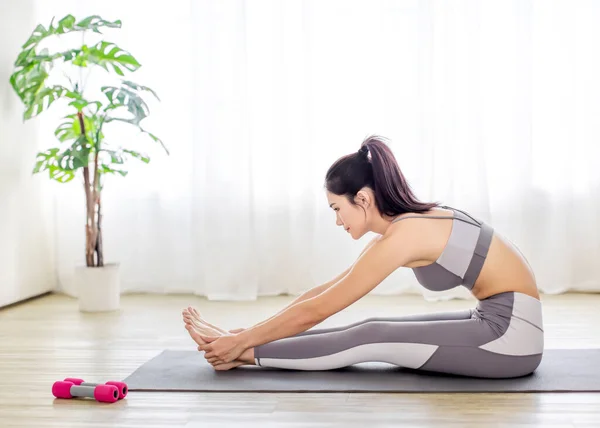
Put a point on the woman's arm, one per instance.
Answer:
(315, 291)
(379, 261)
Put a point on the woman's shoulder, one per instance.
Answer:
(421, 231)
(434, 213)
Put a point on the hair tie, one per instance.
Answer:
(364, 151)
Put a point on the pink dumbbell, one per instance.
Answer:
(103, 393)
(121, 386)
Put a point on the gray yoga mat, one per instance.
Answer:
(561, 370)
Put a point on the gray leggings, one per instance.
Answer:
(502, 337)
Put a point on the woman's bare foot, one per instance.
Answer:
(247, 356)
(197, 328)
(229, 366)
(195, 316)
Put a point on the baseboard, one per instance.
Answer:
(19, 302)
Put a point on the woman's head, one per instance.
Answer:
(365, 189)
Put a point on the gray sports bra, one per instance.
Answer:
(462, 258)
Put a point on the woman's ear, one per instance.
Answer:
(363, 198)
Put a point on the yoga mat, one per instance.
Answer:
(561, 370)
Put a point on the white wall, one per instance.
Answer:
(26, 215)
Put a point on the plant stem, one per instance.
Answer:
(89, 252)
(96, 193)
(90, 198)
(94, 213)
(99, 239)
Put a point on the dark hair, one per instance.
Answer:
(381, 173)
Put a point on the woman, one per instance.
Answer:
(501, 337)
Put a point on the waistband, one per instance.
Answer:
(500, 308)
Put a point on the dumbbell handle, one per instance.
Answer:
(82, 391)
(90, 384)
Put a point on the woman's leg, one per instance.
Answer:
(463, 314)
(481, 345)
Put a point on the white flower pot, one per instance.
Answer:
(99, 288)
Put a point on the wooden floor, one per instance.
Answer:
(47, 339)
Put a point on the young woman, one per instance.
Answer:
(445, 247)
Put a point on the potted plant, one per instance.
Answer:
(83, 150)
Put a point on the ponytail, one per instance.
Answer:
(381, 173)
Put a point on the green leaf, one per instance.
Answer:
(26, 57)
(116, 157)
(70, 159)
(77, 156)
(39, 34)
(106, 169)
(107, 53)
(70, 129)
(151, 135)
(32, 70)
(66, 130)
(49, 161)
(124, 97)
(81, 103)
(67, 25)
(81, 59)
(45, 159)
(60, 175)
(95, 22)
(137, 87)
(156, 139)
(44, 57)
(28, 81)
(43, 99)
(141, 156)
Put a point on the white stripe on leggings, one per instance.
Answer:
(409, 355)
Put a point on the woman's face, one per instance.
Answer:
(351, 217)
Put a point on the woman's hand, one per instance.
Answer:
(222, 349)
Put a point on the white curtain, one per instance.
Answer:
(26, 223)
(491, 107)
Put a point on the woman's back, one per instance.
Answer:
(444, 246)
